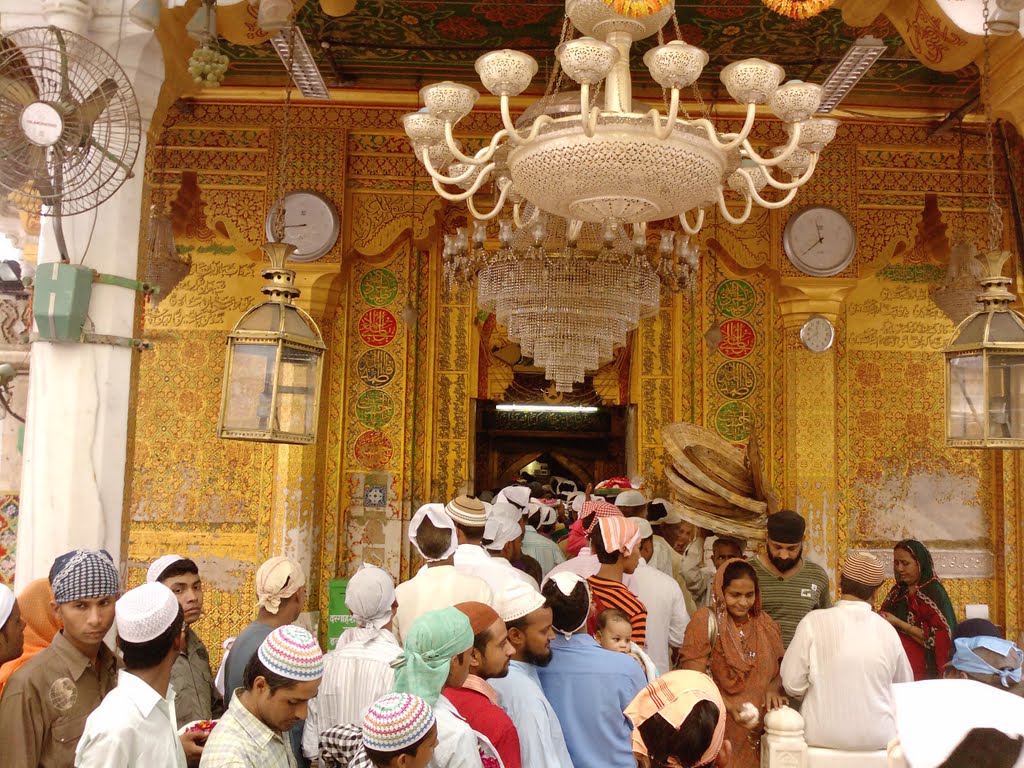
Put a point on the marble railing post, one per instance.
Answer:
(783, 745)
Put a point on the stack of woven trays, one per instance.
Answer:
(716, 485)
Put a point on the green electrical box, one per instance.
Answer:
(61, 300)
(338, 617)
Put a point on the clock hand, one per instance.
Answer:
(816, 243)
(292, 226)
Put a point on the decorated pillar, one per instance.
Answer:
(73, 476)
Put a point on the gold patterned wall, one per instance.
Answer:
(853, 435)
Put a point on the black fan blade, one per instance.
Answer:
(97, 101)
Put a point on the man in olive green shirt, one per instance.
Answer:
(791, 587)
(46, 702)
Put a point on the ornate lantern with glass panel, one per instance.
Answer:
(985, 369)
(273, 370)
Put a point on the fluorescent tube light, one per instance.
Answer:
(525, 408)
(864, 52)
(305, 73)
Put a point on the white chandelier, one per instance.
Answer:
(612, 163)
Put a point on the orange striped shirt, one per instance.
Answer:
(606, 593)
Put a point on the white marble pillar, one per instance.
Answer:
(73, 475)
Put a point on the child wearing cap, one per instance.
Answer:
(398, 731)
(134, 725)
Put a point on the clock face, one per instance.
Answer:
(310, 224)
(820, 241)
(817, 334)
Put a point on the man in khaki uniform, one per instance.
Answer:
(46, 702)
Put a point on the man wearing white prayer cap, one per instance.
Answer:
(135, 723)
(358, 671)
(12, 627)
(504, 540)
(438, 584)
(192, 678)
(59, 687)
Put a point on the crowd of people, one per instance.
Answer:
(538, 633)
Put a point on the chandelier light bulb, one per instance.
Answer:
(667, 242)
(675, 64)
(448, 101)
(506, 72)
(586, 60)
(752, 81)
(796, 101)
(505, 232)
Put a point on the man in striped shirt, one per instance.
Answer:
(791, 587)
(616, 542)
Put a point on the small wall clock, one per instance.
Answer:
(817, 334)
(820, 241)
(311, 224)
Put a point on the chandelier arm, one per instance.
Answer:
(483, 155)
(514, 135)
(459, 197)
(789, 149)
(796, 183)
(438, 176)
(685, 223)
(660, 132)
(735, 138)
(517, 216)
(495, 210)
(767, 203)
(728, 216)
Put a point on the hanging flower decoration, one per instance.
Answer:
(798, 9)
(637, 9)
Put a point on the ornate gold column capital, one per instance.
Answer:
(801, 297)
(319, 286)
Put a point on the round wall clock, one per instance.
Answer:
(817, 334)
(311, 224)
(820, 241)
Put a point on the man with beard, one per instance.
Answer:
(791, 587)
(476, 700)
(528, 620)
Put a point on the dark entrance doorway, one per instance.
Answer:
(582, 446)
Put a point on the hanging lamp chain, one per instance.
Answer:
(995, 213)
(282, 168)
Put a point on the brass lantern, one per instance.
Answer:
(275, 357)
(985, 369)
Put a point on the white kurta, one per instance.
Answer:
(473, 560)
(133, 726)
(439, 586)
(355, 676)
(666, 613)
(843, 660)
(457, 744)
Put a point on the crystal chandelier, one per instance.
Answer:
(612, 163)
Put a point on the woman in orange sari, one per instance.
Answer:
(741, 646)
(40, 625)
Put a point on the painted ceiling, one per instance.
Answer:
(409, 43)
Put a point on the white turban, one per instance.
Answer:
(370, 595)
(439, 519)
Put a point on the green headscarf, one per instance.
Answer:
(434, 638)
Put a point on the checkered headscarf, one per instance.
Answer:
(83, 574)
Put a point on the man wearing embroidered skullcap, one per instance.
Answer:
(476, 700)
(399, 731)
(358, 671)
(585, 562)
(12, 627)
(791, 586)
(990, 660)
(280, 598)
(438, 584)
(135, 723)
(662, 596)
(279, 680)
(196, 697)
(616, 542)
(843, 661)
(679, 720)
(542, 549)
(470, 518)
(436, 656)
(588, 686)
(46, 701)
(528, 621)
